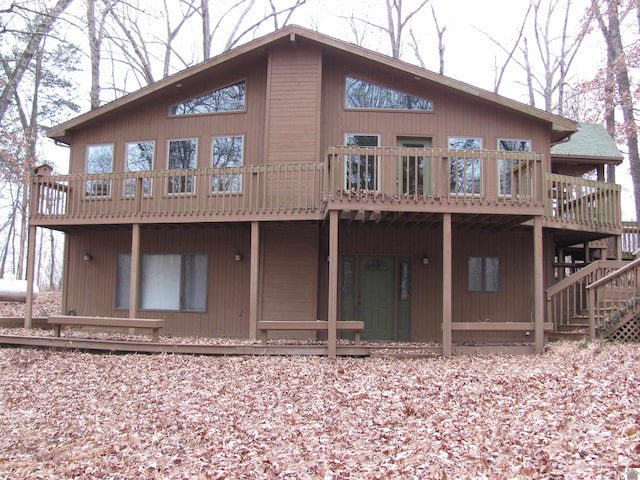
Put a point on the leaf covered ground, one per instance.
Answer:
(573, 412)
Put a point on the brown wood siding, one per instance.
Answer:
(289, 276)
(152, 122)
(453, 115)
(293, 105)
(91, 285)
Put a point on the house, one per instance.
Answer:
(299, 177)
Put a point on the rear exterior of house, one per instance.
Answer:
(300, 178)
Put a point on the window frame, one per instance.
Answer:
(98, 188)
(504, 190)
(233, 179)
(479, 181)
(129, 191)
(172, 109)
(486, 282)
(122, 299)
(349, 159)
(381, 87)
(184, 189)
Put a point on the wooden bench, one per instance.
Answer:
(352, 325)
(59, 321)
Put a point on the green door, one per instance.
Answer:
(376, 294)
(414, 170)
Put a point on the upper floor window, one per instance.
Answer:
(139, 158)
(183, 155)
(99, 160)
(227, 154)
(465, 169)
(362, 168)
(361, 94)
(510, 174)
(227, 99)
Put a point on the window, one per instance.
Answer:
(361, 94)
(465, 171)
(172, 282)
(227, 154)
(139, 158)
(483, 274)
(510, 174)
(183, 155)
(361, 170)
(99, 160)
(226, 99)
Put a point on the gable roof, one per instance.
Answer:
(590, 142)
(560, 127)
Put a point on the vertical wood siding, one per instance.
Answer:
(91, 287)
(290, 272)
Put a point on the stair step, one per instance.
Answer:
(572, 327)
(557, 336)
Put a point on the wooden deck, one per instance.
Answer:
(357, 179)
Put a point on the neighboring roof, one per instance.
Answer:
(560, 127)
(591, 141)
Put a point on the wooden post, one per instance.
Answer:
(447, 276)
(254, 280)
(134, 273)
(592, 313)
(538, 285)
(332, 332)
(31, 254)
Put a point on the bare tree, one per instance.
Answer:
(618, 67)
(43, 24)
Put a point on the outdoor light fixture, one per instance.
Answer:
(425, 260)
(87, 257)
(237, 257)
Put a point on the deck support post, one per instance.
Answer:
(447, 277)
(538, 285)
(254, 280)
(134, 271)
(332, 331)
(31, 255)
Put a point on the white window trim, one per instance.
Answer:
(194, 189)
(378, 162)
(481, 186)
(240, 177)
(126, 165)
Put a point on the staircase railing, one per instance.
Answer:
(614, 299)
(568, 298)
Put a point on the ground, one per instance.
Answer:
(573, 412)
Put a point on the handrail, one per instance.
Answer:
(568, 297)
(613, 296)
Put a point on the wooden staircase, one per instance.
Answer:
(602, 300)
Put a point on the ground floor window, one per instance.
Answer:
(172, 282)
(483, 274)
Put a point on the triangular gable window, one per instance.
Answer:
(361, 94)
(226, 99)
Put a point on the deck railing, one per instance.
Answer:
(575, 201)
(429, 175)
(630, 238)
(568, 298)
(614, 299)
(172, 193)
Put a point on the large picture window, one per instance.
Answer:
(139, 158)
(227, 99)
(183, 155)
(483, 274)
(509, 171)
(171, 282)
(99, 160)
(465, 170)
(227, 153)
(366, 95)
(361, 169)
